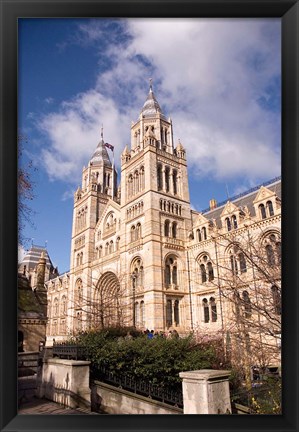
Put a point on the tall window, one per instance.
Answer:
(246, 304)
(276, 299)
(168, 313)
(270, 255)
(167, 179)
(137, 273)
(210, 271)
(133, 233)
(142, 313)
(234, 265)
(242, 260)
(204, 233)
(206, 269)
(159, 177)
(203, 273)
(166, 228)
(228, 224)
(138, 231)
(171, 271)
(262, 211)
(174, 229)
(213, 309)
(176, 313)
(198, 235)
(269, 206)
(234, 221)
(175, 186)
(206, 311)
(78, 293)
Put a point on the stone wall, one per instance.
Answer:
(112, 400)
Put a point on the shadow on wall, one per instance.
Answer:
(62, 394)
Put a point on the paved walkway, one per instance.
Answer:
(30, 404)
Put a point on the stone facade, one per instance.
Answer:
(141, 256)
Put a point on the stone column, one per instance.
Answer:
(206, 391)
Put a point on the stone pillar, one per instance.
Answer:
(206, 391)
(65, 382)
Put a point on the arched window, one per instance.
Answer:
(63, 305)
(242, 260)
(203, 273)
(106, 248)
(210, 271)
(117, 243)
(174, 229)
(213, 309)
(79, 321)
(269, 206)
(228, 224)
(137, 273)
(171, 271)
(176, 313)
(204, 233)
(133, 233)
(166, 228)
(247, 304)
(234, 265)
(206, 312)
(78, 260)
(167, 274)
(198, 235)
(175, 186)
(270, 255)
(237, 300)
(234, 221)
(159, 177)
(276, 299)
(167, 179)
(111, 247)
(136, 307)
(56, 307)
(142, 313)
(278, 252)
(174, 275)
(262, 211)
(138, 231)
(169, 313)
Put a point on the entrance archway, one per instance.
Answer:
(107, 308)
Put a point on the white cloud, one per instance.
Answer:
(208, 74)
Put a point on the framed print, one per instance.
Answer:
(218, 118)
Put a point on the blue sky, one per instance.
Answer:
(218, 79)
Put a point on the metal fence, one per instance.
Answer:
(169, 395)
(68, 351)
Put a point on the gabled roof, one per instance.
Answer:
(244, 200)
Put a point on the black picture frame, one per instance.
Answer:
(10, 11)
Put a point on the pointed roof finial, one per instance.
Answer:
(151, 84)
(102, 134)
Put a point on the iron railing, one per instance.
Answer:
(169, 395)
(68, 351)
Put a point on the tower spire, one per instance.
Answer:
(151, 84)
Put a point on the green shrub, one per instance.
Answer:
(156, 360)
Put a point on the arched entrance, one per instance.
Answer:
(107, 307)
